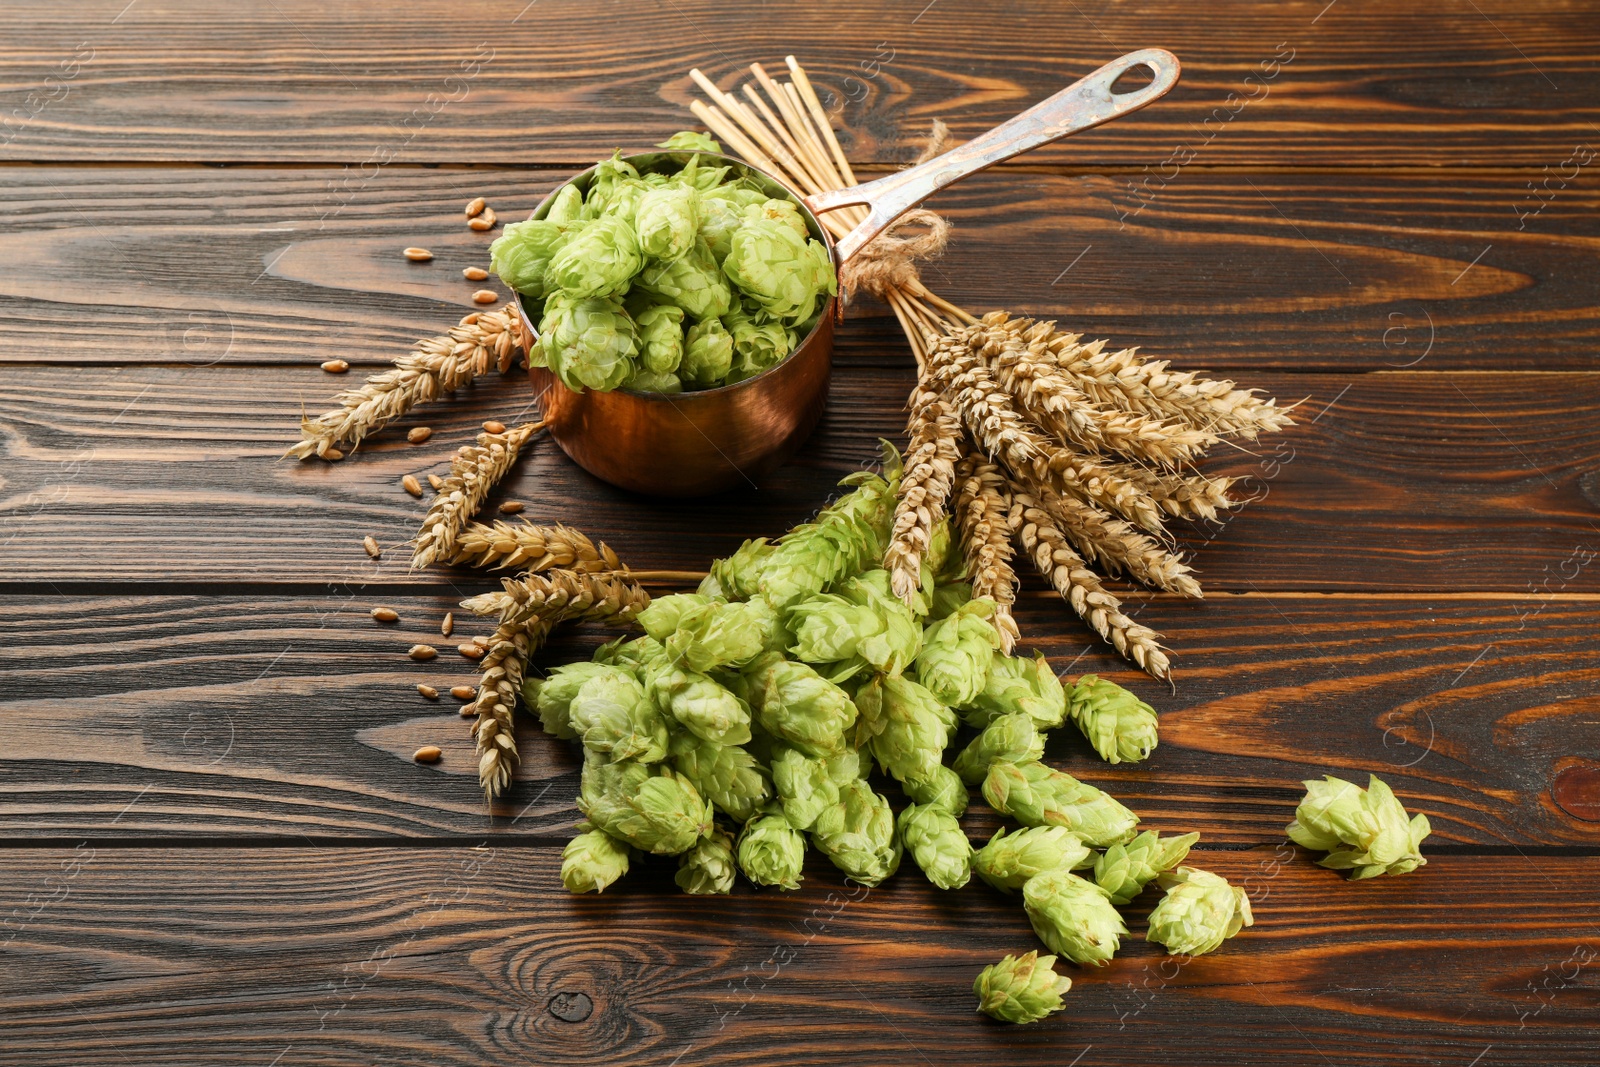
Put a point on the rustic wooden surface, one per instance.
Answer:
(216, 847)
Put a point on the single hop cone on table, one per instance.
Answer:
(1120, 726)
(1010, 859)
(1014, 738)
(652, 808)
(1020, 989)
(709, 867)
(593, 860)
(1365, 831)
(1200, 911)
(1019, 683)
(1073, 917)
(1037, 795)
(1124, 870)
(858, 834)
(726, 775)
(771, 852)
(937, 844)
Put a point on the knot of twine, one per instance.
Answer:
(888, 261)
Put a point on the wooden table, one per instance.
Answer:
(217, 847)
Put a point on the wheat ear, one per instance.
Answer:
(533, 548)
(1064, 569)
(982, 523)
(934, 446)
(434, 367)
(474, 471)
(503, 666)
(1117, 546)
(559, 595)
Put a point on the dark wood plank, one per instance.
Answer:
(1392, 482)
(464, 956)
(1294, 271)
(1498, 82)
(282, 716)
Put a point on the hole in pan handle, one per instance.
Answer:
(1083, 105)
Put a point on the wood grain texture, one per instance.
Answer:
(1294, 83)
(281, 716)
(465, 956)
(1397, 481)
(1266, 270)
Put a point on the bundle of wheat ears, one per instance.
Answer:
(1020, 433)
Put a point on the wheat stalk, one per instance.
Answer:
(474, 471)
(502, 667)
(434, 367)
(533, 548)
(934, 429)
(982, 519)
(1064, 569)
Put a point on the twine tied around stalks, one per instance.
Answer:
(888, 261)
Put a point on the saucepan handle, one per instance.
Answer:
(1083, 105)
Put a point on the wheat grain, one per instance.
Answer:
(428, 691)
(417, 255)
(385, 614)
(448, 625)
(984, 530)
(934, 446)
(474, 471)
(421, 653)
(371, 545)
(427, 754)
(434, 367)
(418, 434)
(336, 366)
(485, 296)
(475, 207)
(536, 548)
(410, 484)
(474, 274)
(1046, 545)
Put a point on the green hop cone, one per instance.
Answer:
(798, 706)
(649, 381)
(708, 867)
(804, 787)
(1020, 989)
(1365, 831)
(707, 353)
(667, 220)
(937, 844)
(690, 141)
(719, 219)
(904, 727)
(845, 536)
(858, 834)
(782, 271)
(829, 629)
(725, 634)
(1124, 870)
(1014, 738)
(593, 860)
(654, 809)
(695, 701)
(1010, 859)
(521, 254)
(691, 282)
(600, 260)
(956, 653)
(660, 328)
(609, 175)
(1200, 911)
(771, 852)
(848, 765)
(737, 577)
(1073, 917)
(1120, 726)
(612, 714)
(588, 343)
(942, 788)
(784, 212)
(1016, 683)
(726, 775)
(565, 207)
(1036, 795)
(552, 697)
(758, 342)
(663, 615)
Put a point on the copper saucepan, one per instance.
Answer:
(694, 443)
